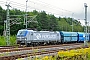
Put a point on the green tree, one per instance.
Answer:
(2, 18)
(52, 22)
(43, 21)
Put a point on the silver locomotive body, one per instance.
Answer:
(30, 37)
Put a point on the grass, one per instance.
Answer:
(2, 41)
(12, 40)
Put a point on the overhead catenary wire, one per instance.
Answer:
(58, 12)
(49, 5)
(16, 4)
(2, 4)
(30, 7)
(34, 5)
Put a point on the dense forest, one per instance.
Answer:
(38, 21)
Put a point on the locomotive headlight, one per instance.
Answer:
(25, 39)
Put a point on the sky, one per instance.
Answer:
(63, 8)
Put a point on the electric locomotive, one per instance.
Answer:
(30, 37)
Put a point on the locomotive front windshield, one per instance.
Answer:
(22, 33)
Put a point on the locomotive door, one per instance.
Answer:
(31, 36)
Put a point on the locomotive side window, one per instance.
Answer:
(31, 33)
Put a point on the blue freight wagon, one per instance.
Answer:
(81, 37)
(68, 36)
(89, 36)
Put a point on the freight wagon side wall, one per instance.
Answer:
(81, 37)
(89, 36)
(74, 36)
(68, 36)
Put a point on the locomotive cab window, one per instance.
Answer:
(22, 33)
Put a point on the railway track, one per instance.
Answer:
(15, 53)
(10, 48)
